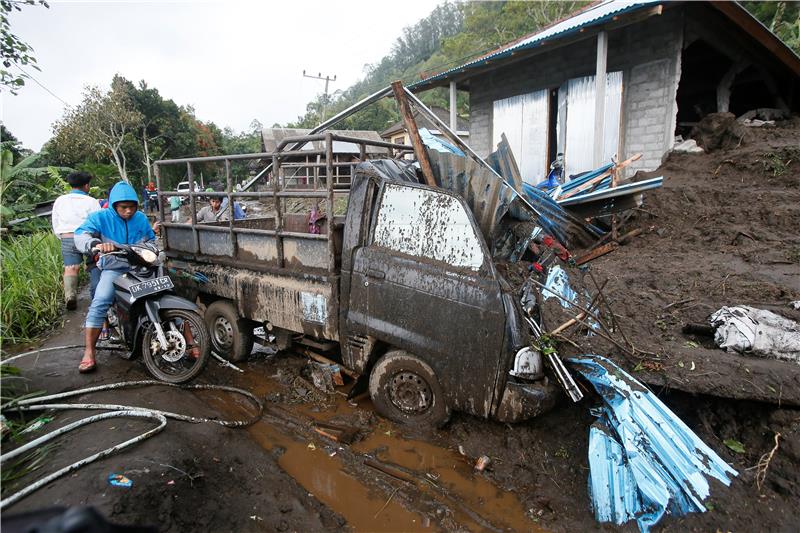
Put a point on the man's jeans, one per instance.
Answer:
(103, 298)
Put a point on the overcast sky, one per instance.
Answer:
(233, 60)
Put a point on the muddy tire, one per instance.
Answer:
(178, 364)
(231, 336)
(406, 390)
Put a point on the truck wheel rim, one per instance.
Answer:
(410, 393)
(223, 333)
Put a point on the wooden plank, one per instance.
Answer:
(413, 132)
(597, 252)
(584, 186)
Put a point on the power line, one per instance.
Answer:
(40, 84)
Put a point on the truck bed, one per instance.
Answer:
(300, 296)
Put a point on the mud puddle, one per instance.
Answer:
(441, 491)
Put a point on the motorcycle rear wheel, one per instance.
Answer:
(183, 367)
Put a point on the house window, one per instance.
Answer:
(524, 120)
(429, 224)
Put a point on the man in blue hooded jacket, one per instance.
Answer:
(122, 223)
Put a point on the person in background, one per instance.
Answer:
(121, 223)
(69, 212)
(175, 208)
(145, 198)
(238, 212)
(104, 201)
(212, 212)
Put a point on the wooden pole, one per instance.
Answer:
(413, 133)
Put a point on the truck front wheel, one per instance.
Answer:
(405, 389)
(231, 336)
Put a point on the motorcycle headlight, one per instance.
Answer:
(146, 255)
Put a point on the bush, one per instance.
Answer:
(31, 297)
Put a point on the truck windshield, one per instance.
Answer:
(427, 224)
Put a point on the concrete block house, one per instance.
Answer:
(618, 78)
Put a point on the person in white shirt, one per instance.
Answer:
(70, 211)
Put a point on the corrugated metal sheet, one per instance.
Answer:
(593, 15)
(644, 461)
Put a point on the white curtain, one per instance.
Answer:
(524, 120)
(576, 125)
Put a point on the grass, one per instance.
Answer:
(31, 297)
(13, 387)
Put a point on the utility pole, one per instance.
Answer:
(327, 79)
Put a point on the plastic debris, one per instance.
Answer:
(688, 146)
(746, 329)
(325, 377)
(643, 460)
(118, 480)
(482, 462)
(37, 424)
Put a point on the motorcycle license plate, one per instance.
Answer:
(151, 286)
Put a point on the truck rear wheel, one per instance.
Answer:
(405, 389)
(231, 336)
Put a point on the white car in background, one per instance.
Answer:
(184, 186)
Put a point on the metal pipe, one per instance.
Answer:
(276, 165)
(193, 208)
(214, 158)
(329, 185)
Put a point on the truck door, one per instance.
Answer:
(424, 282)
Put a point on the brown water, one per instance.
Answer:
(444, 477)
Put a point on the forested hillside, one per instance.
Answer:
(456, 32)
(453, 33)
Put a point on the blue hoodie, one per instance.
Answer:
(107, 226)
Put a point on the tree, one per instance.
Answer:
(8, 141)
(100, 126)
(782, 19)
(13, 50)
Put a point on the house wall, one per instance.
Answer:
(648, 54)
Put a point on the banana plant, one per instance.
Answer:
(23, 185)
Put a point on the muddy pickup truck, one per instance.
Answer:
(403, 284)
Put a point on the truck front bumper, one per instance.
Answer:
(522, 400)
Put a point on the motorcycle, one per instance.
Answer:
(155, 322)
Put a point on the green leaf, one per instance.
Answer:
(734, 445)
(692, 344)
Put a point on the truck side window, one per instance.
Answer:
(427, 224)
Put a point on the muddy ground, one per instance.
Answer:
(723, 230)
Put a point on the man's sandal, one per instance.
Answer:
(87, 366)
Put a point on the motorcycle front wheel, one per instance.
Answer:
(179, 363)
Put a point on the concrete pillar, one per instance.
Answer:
(600, 97)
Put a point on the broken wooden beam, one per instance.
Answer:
(413, 133)
(597, 252)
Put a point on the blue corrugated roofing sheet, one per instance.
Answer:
(643, 460)
(595, 14)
